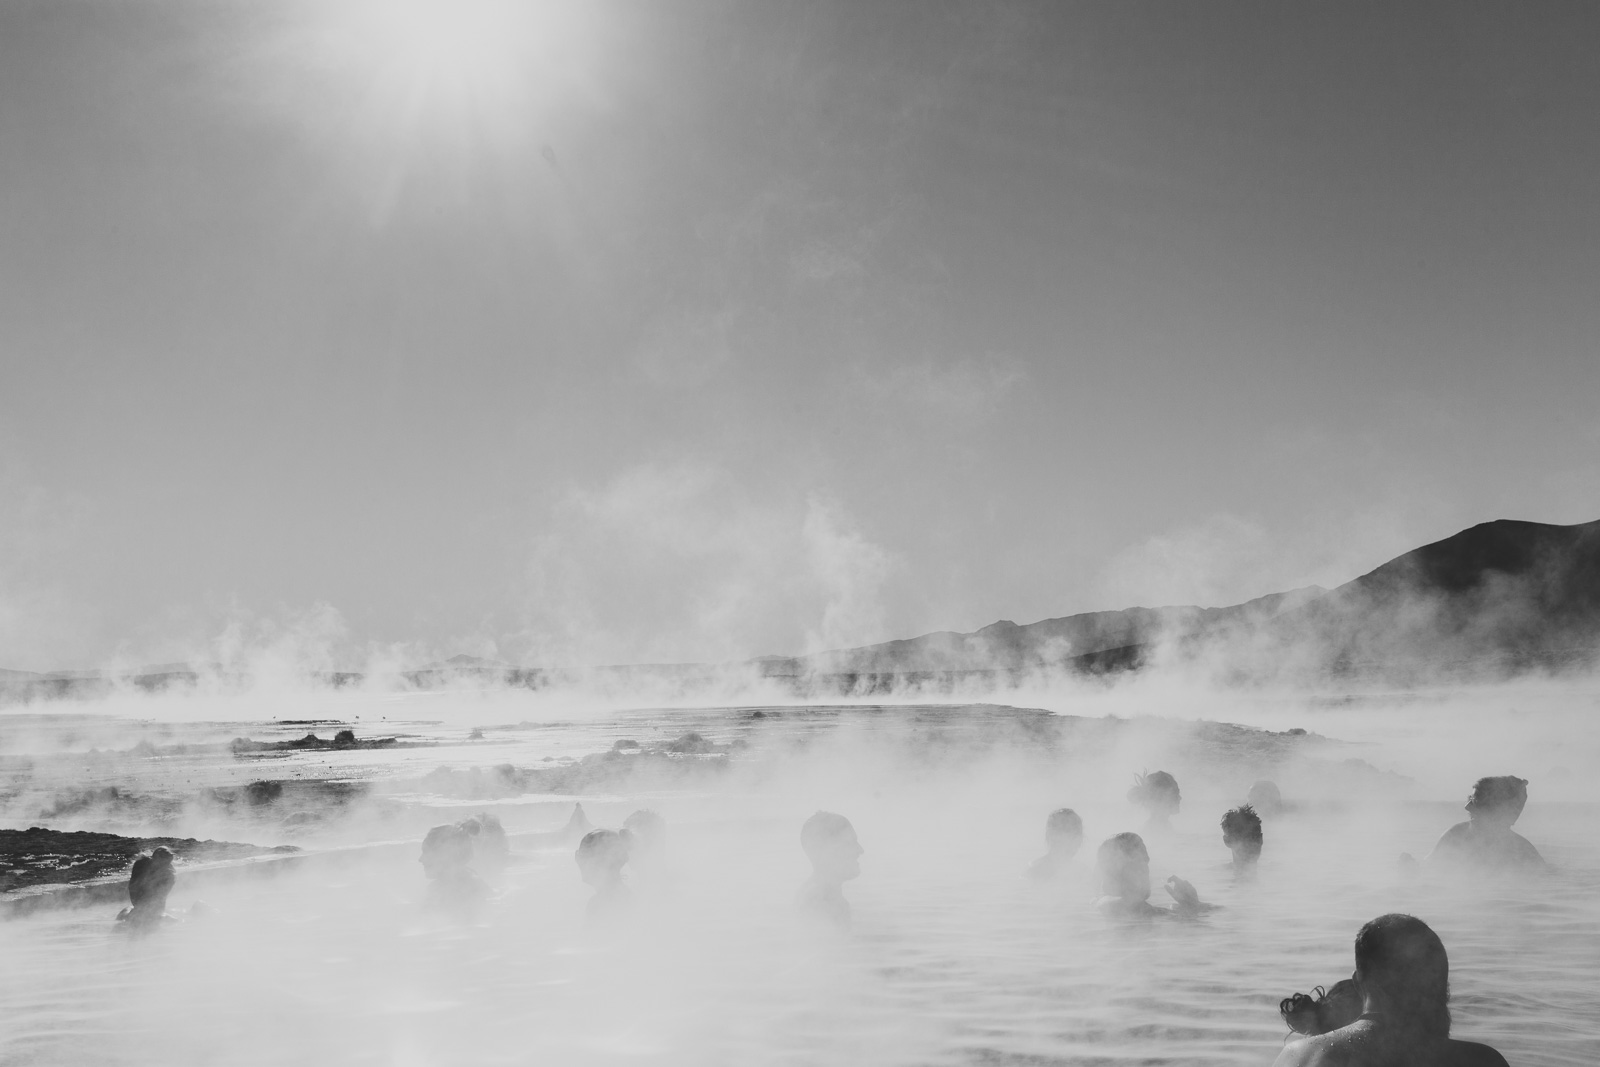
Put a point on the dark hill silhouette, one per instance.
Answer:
(1090, 637)
(1503, 594)
(1500, 596)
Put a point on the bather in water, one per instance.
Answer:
(1063, 837)
(446, 859)
(1486, 839)
(1403, 975)
(1241, 832)
(149, 884)
(1124, 866)
(1266, 799)
(600, 857)
(1157, 793)
(830, 843)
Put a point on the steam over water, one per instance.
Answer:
(954, 957)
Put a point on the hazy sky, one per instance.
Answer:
(619, 331)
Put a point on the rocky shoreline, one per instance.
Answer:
(41, 857)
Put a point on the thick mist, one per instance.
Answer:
(951, 956)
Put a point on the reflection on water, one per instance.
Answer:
(954, 957)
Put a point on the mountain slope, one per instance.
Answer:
(1503, 590)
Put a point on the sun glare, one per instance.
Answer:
(449, 56)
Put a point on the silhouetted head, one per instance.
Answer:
(830, 842)
(1063, 832)
(649, 830)
(1157, 793)
(1124, 866)
(161, 856)
(601, 856)
(1403, 972)
(1265, 798)
(1497, 802)
(445, 849)
(1241, 832)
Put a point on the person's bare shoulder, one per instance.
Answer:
(1526, 853)
(1308, 1052)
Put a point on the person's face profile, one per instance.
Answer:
(839, 857)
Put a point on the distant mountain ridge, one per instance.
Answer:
(1501, 596)
(1049, 643)
(1510, 593)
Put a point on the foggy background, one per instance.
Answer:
(611, 332)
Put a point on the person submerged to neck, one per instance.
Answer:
(1123, 863)
(1486, 838)
(830, 843)
(1241, 832)
(1158, 794)
(1403, 976)
(149, 884)
(1063, 837)
(600, 857)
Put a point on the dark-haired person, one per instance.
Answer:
(446, 859)
(1063, 837)
(1157, 793)
(1403, 974)
(1123, 863)
(1241, 832)
(830, 844)
(149, 884)
(1486, 839)
(601, 855)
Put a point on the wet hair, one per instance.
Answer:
(1402, 957)
(1322, 1010)
(1265, 797)
(823, 829)
(1243, 825)
(1155, 787)
(1505, 791)
(1061, 821)
(1117, 854)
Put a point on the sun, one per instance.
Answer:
(451, 58)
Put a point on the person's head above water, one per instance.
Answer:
(1157, 792)
(1265, 797)
(830, 842)
(1496, 803)
(646, 826)
(161, 855)
(1063, 832)
(1124, 866)
(1404, 973)
(601, 856)
(1241, 832)
(445, 849)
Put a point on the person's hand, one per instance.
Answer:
(1183, 893)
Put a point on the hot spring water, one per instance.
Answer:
(953, 958)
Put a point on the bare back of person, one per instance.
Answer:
(1368, 1043)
